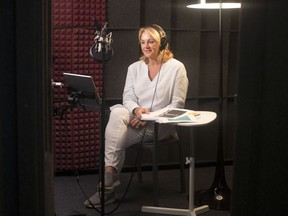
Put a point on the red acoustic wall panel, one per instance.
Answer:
(76, 131)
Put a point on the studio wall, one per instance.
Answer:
(76, 132)
(194, 40)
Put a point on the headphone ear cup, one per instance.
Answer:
(164, 40)
(164, 43)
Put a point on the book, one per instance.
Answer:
(171, 115)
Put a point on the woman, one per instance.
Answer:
(154, 82)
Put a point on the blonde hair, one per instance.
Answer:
(166, 53)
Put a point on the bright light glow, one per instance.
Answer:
(204, 5)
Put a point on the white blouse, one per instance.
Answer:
(167, 89)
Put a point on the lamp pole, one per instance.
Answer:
(218, 196)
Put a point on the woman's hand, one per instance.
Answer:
(136, 122)
(138, 111)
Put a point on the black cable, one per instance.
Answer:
(86, 197)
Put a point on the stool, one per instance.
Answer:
(153, 148)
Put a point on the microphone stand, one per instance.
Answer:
(102, 137)
(103, 58)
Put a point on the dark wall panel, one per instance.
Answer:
(209, 65)
(124, 21)
(125, 46)
(182, 18)
(181, 42)
(125, 13)
(158, 12)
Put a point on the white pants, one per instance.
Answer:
(119, 135)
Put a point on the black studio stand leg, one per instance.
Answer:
(101, 50)
(102, 140)
(102, 146)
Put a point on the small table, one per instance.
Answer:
(204, 118)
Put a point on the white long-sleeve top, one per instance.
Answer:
(167, 89)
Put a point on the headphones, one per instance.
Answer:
(163, 36)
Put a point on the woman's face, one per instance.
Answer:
(149, 46)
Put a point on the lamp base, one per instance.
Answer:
(216, 198)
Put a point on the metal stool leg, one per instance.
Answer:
(155, 167)
(181, 164)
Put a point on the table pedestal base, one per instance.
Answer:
(175, 211)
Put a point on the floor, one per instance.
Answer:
(69, 197)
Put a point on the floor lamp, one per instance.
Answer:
(218, 196)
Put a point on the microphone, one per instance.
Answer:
(101, 49)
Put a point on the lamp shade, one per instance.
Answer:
(213, 4)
